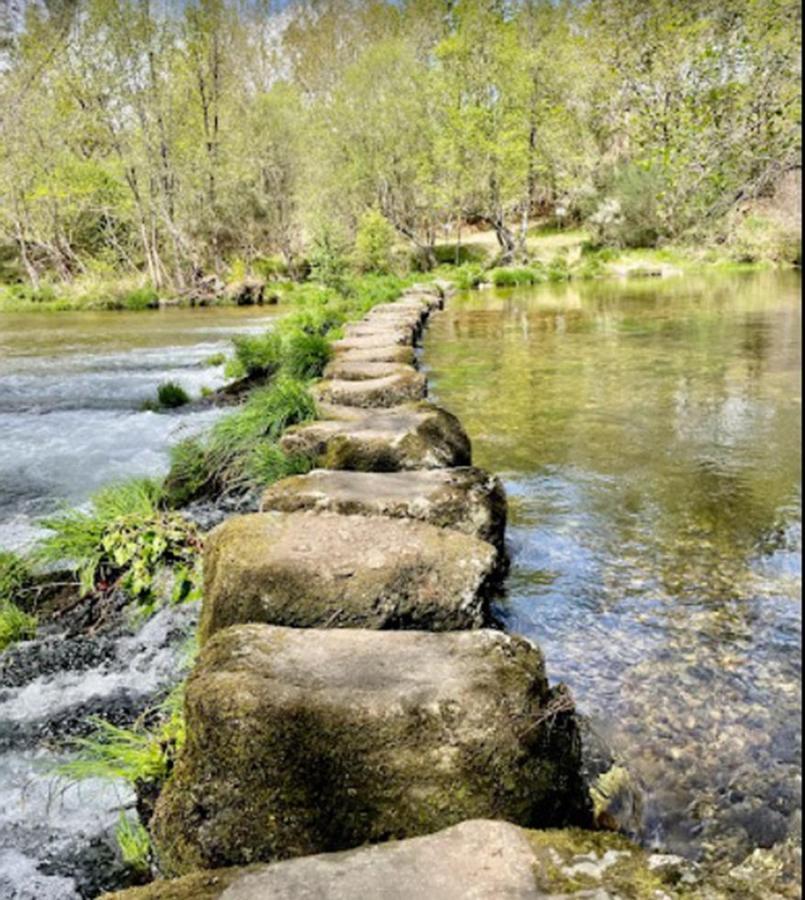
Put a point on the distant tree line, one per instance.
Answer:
(174, 139)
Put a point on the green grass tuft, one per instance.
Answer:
(171, 395)
(15, 624)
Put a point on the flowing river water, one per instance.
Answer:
(71, 388)
(648, 433)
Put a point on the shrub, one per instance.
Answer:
(629, 214)
(216, 359)
(14, 575)
(468, 276)
(171, 395)
(374, 243)
(270, 268)
(140, 298)
(515, 277)
(124, 540)
(257, 355)
(558, 269)
(15, 624)
(328, 257)
(305, 355)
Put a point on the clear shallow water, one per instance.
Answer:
(71, 387)
(648, 435)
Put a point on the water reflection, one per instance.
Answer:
(649, 436)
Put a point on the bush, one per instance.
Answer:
(171, 395)
(468, 276)
(124, 540)
(459, 254)
(374, 243)
(256, 355)
(217, 359)
(629, 215)
(516, 277)
(328, 258)
(305, 355)
(15, 624)
(140, 298)
(270, 268)
(558, 269)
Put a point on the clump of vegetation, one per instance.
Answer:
(305, 355)
(125, 540)
(171, 395)
(328, 258)
(255, 355)
(216, 359)
(15, 624)
(15, 573)
(235, 452)
(374, 244)
(134, 843)
(468, 276)
(515, 276)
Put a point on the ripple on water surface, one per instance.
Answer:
(648, 434)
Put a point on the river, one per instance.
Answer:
(71, 388)
(648, 433)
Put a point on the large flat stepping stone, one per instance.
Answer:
(388, 353)
(313, 570)
(479, 859)
(467, 499)
(415, 436)
(345, 370)
(386, 333)
(304, 741)
(389, 390)
(377, 340)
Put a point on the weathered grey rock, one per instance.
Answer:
(303, 741)
(383, 392)
(390, 353)
(466, 499)
(415, 436)
(313, 570)
(345, 370)
(375, 341)
(479, 859)
(382, 332)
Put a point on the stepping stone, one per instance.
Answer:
(414, 436)
(387, 333)
(345, 370)
(479, 859)
(303, 741)
(468, 500)
(317, 570)
(390, 390)
(396, 353)
(381, 339)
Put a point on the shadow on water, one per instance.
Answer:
(648, 432)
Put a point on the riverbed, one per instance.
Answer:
(71, 389)
(648, 435)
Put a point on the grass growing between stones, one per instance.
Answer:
(16, 624)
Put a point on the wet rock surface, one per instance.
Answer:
(373, 352)
(362, 371)
(326, 570)
(465, 499)
(333, 738)
(416, 436)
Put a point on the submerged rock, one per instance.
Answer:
(478, 859)
(328, 570)
(386, 391)
(415, 436)
(466, 499)
(302, 741)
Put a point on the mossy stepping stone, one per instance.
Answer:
(414, 436)
(466, 499)
(302, 741)
(327, 570)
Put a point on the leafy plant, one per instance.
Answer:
(15, 624)
(123, 539)
(257, 355)
(134, 843)
(305, 355)
(14, 574)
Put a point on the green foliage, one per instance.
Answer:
(134, 843)
(305, 355)
(558, 269)
(124, 539)
(630, 214)
(171, 395)
(468, 276)
(515, 277)
(239, 449)
(374, 243)
(137, 299)
(270, 268)
(216, 359)
(15, 624)
(328, 257)
(459, 254)
(757, 238)
(15, 573)
(257, 355)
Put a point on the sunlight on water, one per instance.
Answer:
(648, 434)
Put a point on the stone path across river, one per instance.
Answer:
(390, 708)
